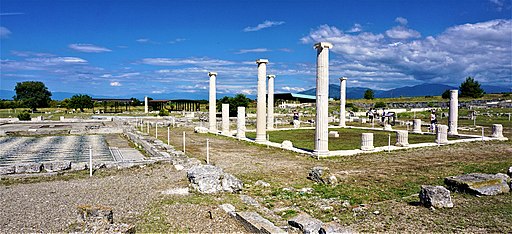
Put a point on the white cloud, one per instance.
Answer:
(115, 84)
(143, 40)
(11, 13)
(4, 32)
(401, 20)
(292, 89)
(265, 24)
(30, 53)
(481, 50)
(355, 28)
(257, 50)
(88, 48)
(157, 91)
(401, 32)
(177, 40)
(187, 61)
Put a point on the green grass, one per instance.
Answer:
(349, 138)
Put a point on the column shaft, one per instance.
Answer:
(146, 108)
(322, 99)
(240, 123)
(225, 119)
(343, 100)
(261, 113)
(270, 114)
(454, 112)
(212, 108)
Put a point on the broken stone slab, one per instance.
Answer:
(229, 209)
(435, 196)
(249, 200)
(322, 175)
(79, 166)
(176, 191)
(287, 145)
(6, 170)
(211, 179)
(200, 130)
(333, 227)
(253, 222)
(262, 183)
(28, 168)
(56, 166)
(306, 223)
(479, 183)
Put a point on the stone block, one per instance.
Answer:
(28, 168)
(319, 174)
(254, 223)
(229, 209)
(479, 183)
(334, 134)
(435, 196)
(333, 227)
(79, 166)
(6, 170)
(200, 130)
(88, 213)
(211, 179)
(306, 224)
(287, 145)
(57, 166)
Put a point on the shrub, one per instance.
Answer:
(24, 116)
(163, 112)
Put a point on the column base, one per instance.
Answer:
(367, 148)
(453, 133)
(321, 152)
(261, 139)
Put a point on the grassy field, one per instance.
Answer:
(349, 138)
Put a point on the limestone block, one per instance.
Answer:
(5, 170)
(322, 175)
(88, 213)
(402, 138)
(306, 223)
(79, 166)
(200, 130)
(28, 167)
(497, 130)
(211, 179)
(435, 196)
(228, 208)
(296, 124)
(334, 227)
(388, 127)
(334, 134)
(442, 134)
(262, 183)
(416, 126)
(57, 166)
(479, 183)
(254, 223)
(287, 145)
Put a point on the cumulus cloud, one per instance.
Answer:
(143, 40)
(115, 83)
(265, 24)
(292, 89)
(257, 50)
(177, 40)
(88, 48)
(401, 20)
(401, 32)
(481, 50)
(4, 32)
(355, 28)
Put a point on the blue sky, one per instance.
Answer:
(168, 47)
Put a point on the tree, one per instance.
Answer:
(234, 103)
(446, 94)
(368, 94)
(33, 94)
(81, 101)
(135, 102)
(380, 105)
(471, 88)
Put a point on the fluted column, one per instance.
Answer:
(240, 123)
(416, 126)
(343, 100)
(270, 93)
(322, 99)
(225, 119)
(497, 130)
(442, 134)
(212, 108)
(367, 141)
(261, 112)
(146, 107)
(454, 112)
(402, 138)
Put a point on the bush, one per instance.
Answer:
(24, 116)
(380, 105)
(163, 112)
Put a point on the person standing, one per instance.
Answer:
(433, 120)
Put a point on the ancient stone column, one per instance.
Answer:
(367, 141)
(454, 112)
(497, 130)
(416, 126)
(270, 93)
(261, 106)
(225, 119)
(442, 134)
(402, 138)
(146, 107)
(343, 100)
(322, 99)
(240, 123)
(212, 108)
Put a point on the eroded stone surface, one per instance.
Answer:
(306, 223)
(57, 166)
(5, 170)
(211, 179)
(254, 223)
(479, 183)
(28, 167)
(435, 196)
(287, 145)
(333, 227)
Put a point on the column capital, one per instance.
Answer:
(454, 91)
(261, 61)
(343, 78)
(271, 76)
(212, 73)
(323, 45)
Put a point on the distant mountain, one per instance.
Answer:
(408, 91)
